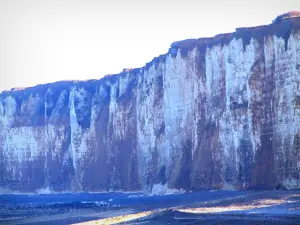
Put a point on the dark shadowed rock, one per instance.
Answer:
(212, 113)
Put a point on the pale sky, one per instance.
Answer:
(44, 41)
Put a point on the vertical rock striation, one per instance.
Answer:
(213, 113)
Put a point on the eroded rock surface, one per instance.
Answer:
(213, 113)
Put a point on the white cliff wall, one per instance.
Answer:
(213, 113)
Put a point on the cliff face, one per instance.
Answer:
(220, 112)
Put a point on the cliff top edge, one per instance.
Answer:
(281, 26)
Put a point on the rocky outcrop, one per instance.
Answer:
(212, 113)
(287, 15)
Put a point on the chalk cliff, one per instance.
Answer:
(212, 113)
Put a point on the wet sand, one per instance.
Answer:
(268, 207)
(207, 207)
